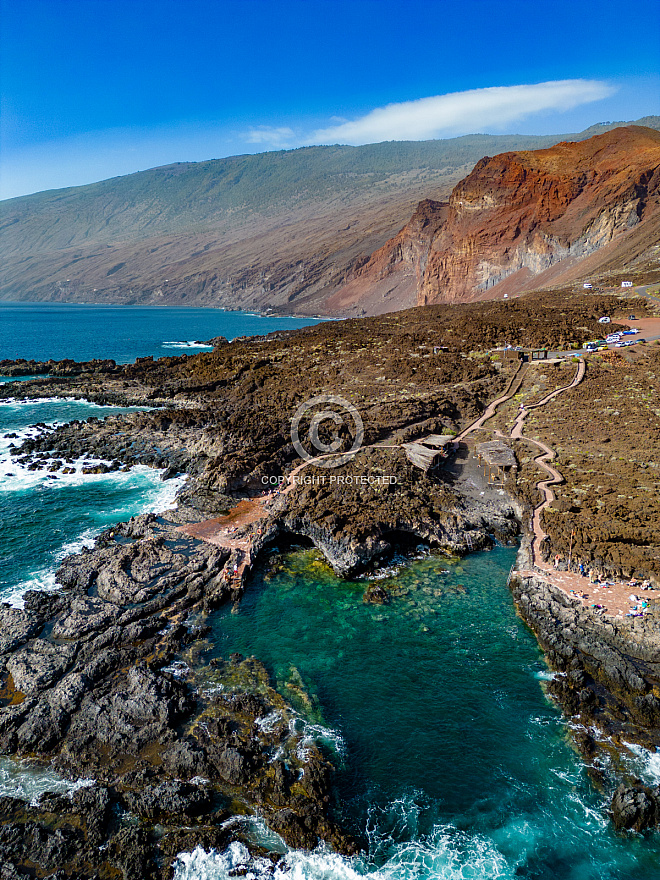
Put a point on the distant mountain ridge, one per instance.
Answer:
(278, 230)
(523, 220)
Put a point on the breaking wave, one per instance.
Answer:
(189, 344)
(27, 781)
(445, 854)
(112, 496)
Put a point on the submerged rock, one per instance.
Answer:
(375, 594)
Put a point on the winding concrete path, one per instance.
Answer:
(612, 597)
(512, 388)
(229, 531)
(547, 454)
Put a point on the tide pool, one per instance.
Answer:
(452, 763)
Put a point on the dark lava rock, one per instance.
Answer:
(169, 799)
(232, 766)
(635, 808)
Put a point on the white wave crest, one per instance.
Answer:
(396, 852)
(644, 763)
(445, 855)
(44, 579)
(27, 782)
(313, 734)
(236, 861)
(156, 496)
(189, 344)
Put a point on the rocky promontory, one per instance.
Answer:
(103, 679)
(108, 677)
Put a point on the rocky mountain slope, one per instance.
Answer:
(523, 220)
(279, 230)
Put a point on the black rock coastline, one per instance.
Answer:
(106, 677)
(103, 680)
(607, 678)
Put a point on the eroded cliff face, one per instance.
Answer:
(516, 217)
(391, 277)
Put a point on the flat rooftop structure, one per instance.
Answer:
(525, 354)
(439, 441)
(496, 454)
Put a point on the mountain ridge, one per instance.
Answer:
(522, 220)
(279, 230)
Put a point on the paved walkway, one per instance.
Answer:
(547, 454)
(512, 388)
(612, 598)
(230, 531)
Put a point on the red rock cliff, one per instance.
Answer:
(524, 219)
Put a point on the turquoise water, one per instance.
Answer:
(44, 517)
(452, 762)
(41, 331)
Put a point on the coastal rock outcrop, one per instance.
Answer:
(608, 669)
(96, 680)
(107, 677)
(635, 808)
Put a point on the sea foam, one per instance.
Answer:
(15, 478)
(190, 344)
(446, 854)
(27, 781)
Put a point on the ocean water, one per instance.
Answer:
(41, 331)
(44, 517)
(452, 762)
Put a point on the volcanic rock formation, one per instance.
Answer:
(287, 231)
(523, 220)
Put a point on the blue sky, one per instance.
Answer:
(91, 89)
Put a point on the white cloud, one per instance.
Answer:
(268, 134)
(462, 112)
